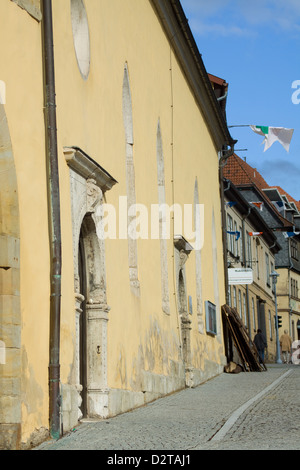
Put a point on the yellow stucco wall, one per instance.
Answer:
(20, 51)
(288, 304)
(89, 115)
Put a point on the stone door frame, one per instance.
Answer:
(182, 252)
(88, 182)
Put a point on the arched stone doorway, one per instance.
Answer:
(88, 182)
(182, 251)
(92, 323)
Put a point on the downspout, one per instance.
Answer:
(245, 263)
(289, 286)
(221, 98)
(222, 162)
(54, 220)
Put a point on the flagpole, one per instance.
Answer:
(241, 125)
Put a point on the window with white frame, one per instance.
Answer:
(249, 252)
(270, 325)
(245, 308)
(234, 297)
(253, 314)
(257, 260)
(240, 303)
(271, 270)
(230, 237)
(268, 269)
(294, 288)
(241, 245)
(236, 245)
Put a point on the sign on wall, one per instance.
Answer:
(240, 276)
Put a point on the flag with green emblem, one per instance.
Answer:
(273, 134)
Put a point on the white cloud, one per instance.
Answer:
(219, 29)
(204, 8)
(282, 172)
(237, 18)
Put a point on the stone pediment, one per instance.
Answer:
(88, 168)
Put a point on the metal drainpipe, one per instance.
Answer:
(224, 237)
(245, 263)
(222, 161)
(289, 286)
(54, 219)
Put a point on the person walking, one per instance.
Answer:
(285, 346)
(260, 343)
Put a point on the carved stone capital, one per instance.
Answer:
(184, 249)
(183, 256)
(94, 195)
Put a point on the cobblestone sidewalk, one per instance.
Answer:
(189, 419)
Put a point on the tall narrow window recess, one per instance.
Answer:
(127, 107)
(81, 36)
(130, 183)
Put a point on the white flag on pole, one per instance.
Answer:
(273, 134)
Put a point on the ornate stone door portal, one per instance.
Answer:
(183, 249)
(88, 182)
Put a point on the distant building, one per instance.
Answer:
(281, 213)
(251, 250)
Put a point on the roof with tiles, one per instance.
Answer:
(241, 173)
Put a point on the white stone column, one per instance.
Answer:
(78, 311)
(97, 318)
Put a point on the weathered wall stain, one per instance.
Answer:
(121, 369)
(32, 392)
(138, 365)
(33, 398)
(155, 356)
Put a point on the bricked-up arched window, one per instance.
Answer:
(130, 182)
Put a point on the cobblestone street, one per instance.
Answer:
(248, 411)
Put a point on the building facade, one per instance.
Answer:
(106, 302)
(281, 214)
(251, 250)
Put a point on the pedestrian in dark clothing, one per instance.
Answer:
(260, 343)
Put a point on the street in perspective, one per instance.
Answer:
(244, 411)
(149, 227)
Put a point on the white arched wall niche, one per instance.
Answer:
(197, 224)
(162, 221)
(130, 184)
(216, 275)
(81, 36)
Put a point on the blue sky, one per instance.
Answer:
(255, 46)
